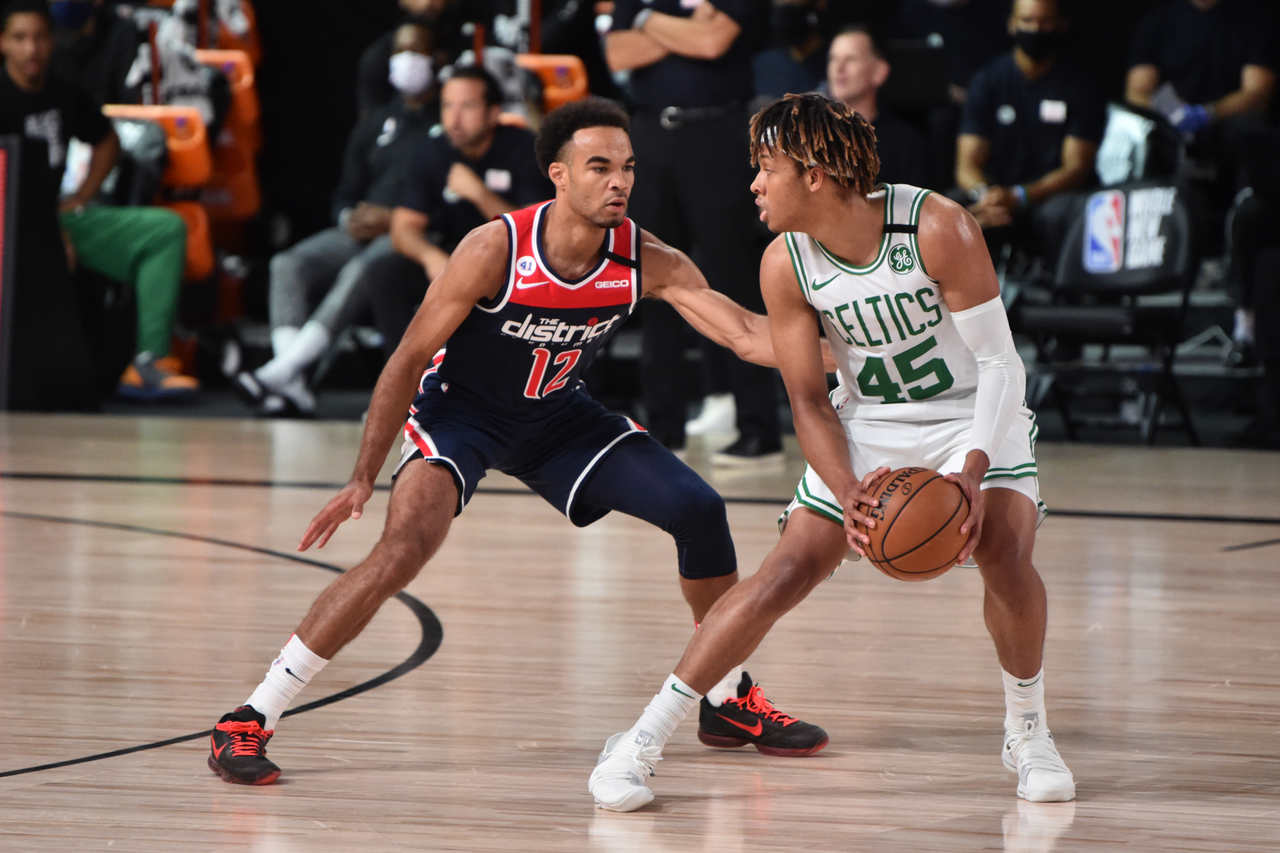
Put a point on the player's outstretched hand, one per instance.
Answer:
(857, 507)
(348, 503)
(971, 485)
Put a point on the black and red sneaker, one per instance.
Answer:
(238, 748)
(752, 719)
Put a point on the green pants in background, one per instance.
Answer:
(142, 246)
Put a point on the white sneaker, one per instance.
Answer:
(1043, 777)
(719, 415)
(617, 782)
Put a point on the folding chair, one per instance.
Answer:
(1123, 278)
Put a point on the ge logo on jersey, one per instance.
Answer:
(900, 260)
(525, 265)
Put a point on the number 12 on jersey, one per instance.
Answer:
(533, 389)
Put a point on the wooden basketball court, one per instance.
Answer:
(149, 575)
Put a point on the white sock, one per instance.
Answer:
(668, 707)
(291, 671)
(307, 345)
(281, 337)
(1024, 700)
(726, 688)
(1243, 331)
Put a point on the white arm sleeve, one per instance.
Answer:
(1002, 381)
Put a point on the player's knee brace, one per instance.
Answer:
(701, 531)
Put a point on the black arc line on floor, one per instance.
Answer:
(1102, 515)
(432, 633)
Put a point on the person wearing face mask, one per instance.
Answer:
(316, 287)
(1029, 135)
(444, 18)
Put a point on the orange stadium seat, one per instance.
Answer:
(250, 42)
(190, 162)
(199, 263)
(232, 193)
(243, 119)
(563, 76)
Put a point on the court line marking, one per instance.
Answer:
(1114, 515)
(432, 633)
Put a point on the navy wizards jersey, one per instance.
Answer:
(534, 340)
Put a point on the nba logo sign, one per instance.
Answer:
(1104, 232)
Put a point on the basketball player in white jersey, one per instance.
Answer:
(902, 284)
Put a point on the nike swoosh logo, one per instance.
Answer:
(681, 692)
(818, 285)
(217, 750)
(299, 680)
(521, 284)
(754, 731)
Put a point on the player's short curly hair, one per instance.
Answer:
(561, 124)
(818, 132)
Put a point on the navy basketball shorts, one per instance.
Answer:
(552, 446)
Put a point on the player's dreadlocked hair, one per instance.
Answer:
(818, 132)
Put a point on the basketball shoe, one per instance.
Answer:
(618, 781)
(238, 748)
(751, 719)
(1043, 777)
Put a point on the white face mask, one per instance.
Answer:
(410, 72)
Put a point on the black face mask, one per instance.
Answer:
(1039, 44)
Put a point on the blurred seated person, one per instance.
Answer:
(317, 289)
(473, 171)
(793, 60)
(444, 18)
(443, 185)
(95, 47)
(1210, 67)
(141, 246)
(856, 69)
(1029, 136)
(1253, 240)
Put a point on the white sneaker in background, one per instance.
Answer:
(1043, 777)
(718, 416)
(618, 781)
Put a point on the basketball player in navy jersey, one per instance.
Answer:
(524, 304)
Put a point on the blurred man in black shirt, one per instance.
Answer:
(318, 285)
(690, 82)
(144, 247)
(856, 69)
(1031, 128)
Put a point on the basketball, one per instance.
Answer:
(917, 533)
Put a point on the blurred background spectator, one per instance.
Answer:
(142, 247)
(1031, 128)
(689, 67)
(320, 286)
(298, 151)
(856, 69)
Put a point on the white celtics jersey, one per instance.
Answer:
(898, 353)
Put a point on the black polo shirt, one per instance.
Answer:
(683, 82)
(509, 169)
(1201, 52)
(48, 119)
(1026, 120)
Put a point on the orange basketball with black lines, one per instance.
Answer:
(917, 533)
